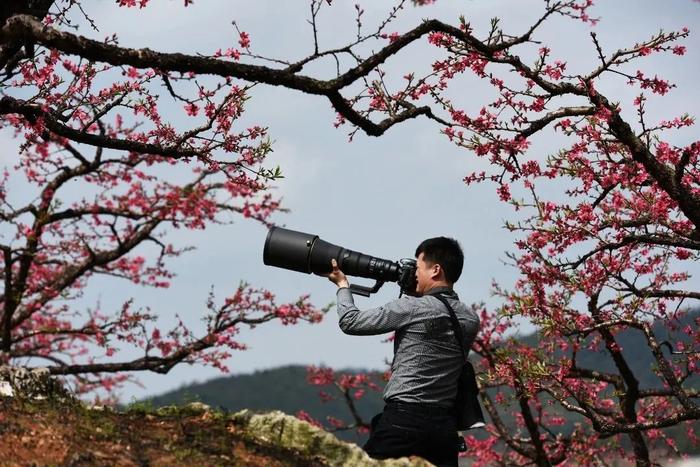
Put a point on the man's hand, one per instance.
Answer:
(337, 276)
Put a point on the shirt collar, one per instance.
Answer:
(444, 290)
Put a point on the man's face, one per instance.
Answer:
(425, 274)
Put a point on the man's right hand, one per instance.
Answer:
(337, 276)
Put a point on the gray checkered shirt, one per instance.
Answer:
(427, 360)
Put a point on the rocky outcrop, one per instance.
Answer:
(30, 383)
(288, 432)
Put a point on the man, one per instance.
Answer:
(427, 361)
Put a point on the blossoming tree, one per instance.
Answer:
(105, 177)
(607, 254)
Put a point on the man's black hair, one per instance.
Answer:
(446, 252)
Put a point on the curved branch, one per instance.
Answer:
(33, 113)
(539, 124)
(655, 239)
(665, 176)
(24, 27)
(156, 364)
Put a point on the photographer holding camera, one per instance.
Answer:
(421, 394)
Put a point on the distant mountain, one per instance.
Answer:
(286, 389)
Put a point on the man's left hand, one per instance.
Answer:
(337, 276)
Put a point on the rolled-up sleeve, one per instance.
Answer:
(387, 318)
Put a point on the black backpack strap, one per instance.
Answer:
(455, 324)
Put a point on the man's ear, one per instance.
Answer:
(436, 272)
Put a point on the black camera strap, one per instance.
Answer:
(455, 324)
(468, 410)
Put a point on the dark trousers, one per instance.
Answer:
(414, 430)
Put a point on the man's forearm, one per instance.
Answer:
(383, 319)
(346, 309)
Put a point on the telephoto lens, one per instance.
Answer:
(307, 253)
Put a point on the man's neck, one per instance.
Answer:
(438, 285)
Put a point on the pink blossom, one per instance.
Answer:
(244, 40)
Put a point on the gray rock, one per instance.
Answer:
(197, 407)
(31, 383)
(279, 429)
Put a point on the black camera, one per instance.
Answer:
(307, 253)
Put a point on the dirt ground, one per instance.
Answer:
(51, 433)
